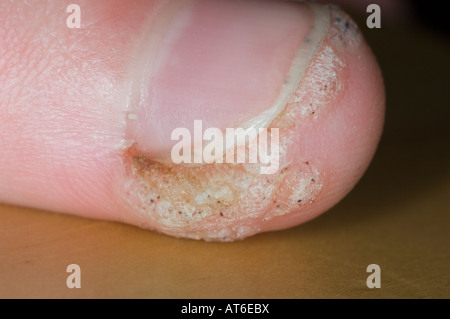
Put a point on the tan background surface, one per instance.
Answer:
(397, 217)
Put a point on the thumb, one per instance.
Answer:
(87, 115)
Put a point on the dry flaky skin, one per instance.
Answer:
(323, 77)
(324, 74)
(218, 201)
(231, 201)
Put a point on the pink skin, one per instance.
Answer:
(343, 141)
(63, 96)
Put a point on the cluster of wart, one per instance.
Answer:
(231, 201)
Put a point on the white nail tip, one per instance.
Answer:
(309, 48)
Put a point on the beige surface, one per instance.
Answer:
(397, 217)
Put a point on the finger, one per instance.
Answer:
(63, 103)
(87, 128)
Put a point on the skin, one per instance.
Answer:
(63, 110)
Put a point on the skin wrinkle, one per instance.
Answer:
(72, 80)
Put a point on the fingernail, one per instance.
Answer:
(229, 64)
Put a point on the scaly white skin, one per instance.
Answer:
(67, 144)
(233, 201)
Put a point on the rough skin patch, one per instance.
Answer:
(343, 30)
(217, 201)
(321, 83)
(322, 80)
(231, 201)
